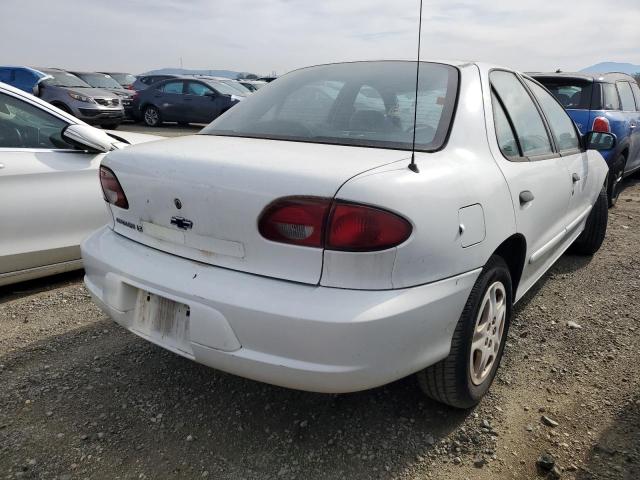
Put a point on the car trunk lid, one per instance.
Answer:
(200, 197)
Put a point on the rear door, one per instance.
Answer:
(170, 96)
(536, 174)
(50, 196)
(574, 158)
(632, 117)
(200, 103)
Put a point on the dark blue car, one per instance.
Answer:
(608, 102)
(184, 100)
(24, 78)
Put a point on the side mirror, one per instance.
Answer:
(39, 85)
(600, 141)
(89, 138)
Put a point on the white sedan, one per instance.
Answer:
(50, 195)
(296, 240)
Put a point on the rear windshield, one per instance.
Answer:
(364, 103)
(64, 79)
(99, 80)
(571, 93)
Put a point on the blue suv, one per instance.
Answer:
(608, 102)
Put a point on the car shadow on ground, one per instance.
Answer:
(112, 394)
(616, 454)
(32, 287)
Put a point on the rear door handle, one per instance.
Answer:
(575, 177)
(525, 197)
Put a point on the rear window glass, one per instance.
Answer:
(610, 97)
(572, 94)
(636, 93)
(361, 103)
(626, 97)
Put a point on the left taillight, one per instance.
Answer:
(111, 189)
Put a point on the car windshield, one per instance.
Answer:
(571, 93)
(223, 88)
(64, 79)
(99, 80)
(123, 78)
(238, 86)
(362, 103)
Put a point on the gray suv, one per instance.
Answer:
(96, 106)
(107, 82)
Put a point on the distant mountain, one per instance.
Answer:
(613, 67)
(186, 71)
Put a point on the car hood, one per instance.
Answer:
(133, 138)
(92, 92)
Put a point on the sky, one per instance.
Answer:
(262, 36)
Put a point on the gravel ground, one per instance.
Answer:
(82, 398)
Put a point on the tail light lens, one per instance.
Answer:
(111, 189)
(361, 228)
(296, 220)
(601, 125)
(335, 225)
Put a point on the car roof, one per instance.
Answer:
(589, 77)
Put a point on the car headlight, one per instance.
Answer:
(81, 98)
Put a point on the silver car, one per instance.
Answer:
(73, 95)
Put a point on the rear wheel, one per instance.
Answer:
(595, 230)
(151, 116)
(616, 174)
(464, 377)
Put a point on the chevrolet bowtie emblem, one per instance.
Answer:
(182, 223)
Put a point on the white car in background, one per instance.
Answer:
(50, 196)
(293, 241)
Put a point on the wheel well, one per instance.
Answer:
(514, 250)
(61, 106)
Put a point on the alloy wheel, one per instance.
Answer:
(488, 332)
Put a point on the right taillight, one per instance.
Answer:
(601, 125)
(334, 225)
(111, 189)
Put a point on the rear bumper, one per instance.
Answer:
(298, 336)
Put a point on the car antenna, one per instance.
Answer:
(412, 166)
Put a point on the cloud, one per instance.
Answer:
(266, 35)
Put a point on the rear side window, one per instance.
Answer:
(626, 97)
(571, 93)
(561, 124)
(523, 113)
(636, 93)
(172, 87)
(611, 100)
(5, 75)
(506, 138)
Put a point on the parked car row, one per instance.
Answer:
(344, 228)
(107, 99)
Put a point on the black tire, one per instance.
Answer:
(450, 380)
(63, 107)
(595, 230)
(616, 173)
(183, 124)
(151, 116)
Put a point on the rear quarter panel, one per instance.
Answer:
(464, 173)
